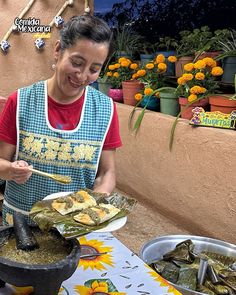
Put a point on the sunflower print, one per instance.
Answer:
(96, 288)
(95, 262)
(162, 281)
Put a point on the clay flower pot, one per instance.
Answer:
(130, 88)
(222, 103)
(186, 113)
(116, 94)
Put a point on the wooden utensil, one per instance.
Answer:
(57, 177)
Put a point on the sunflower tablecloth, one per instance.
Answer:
(116, 272)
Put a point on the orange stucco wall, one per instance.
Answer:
(24, 63)
(193, 185)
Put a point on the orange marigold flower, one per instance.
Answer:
(172, 58)
(160, 58)
(200, 76)
(134, 66)
(148, 91)
(200, 64)
(109, 74)
(141, 73)
(134, 76)
(162, 66)
(210, 62)
(217, 71)
(117, 65)
(111, 67)
(122, 59)
(116, 75)
(187, 76)
(125, 64)
(192, 97)
(203, 90)
(149, 66)
(196, 89)
(138, 96)
(189, 67)
(181, 81)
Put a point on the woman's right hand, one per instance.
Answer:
(19, 171)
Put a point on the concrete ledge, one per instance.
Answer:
(194, 185)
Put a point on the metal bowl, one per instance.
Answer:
(156, 248)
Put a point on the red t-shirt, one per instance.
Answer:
(61, 116)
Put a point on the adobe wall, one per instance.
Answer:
(24, 63)
(193, 185)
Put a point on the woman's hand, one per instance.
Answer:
(19, 171)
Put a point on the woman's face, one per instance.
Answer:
(77, 67)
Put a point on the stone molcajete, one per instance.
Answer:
(45, 278)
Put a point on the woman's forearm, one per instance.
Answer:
(5, 167)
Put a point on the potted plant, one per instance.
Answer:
(198, 82)
(126, 41)
(228, 57)
(117, 72)
(224, 103)
(146, 52)
(153, 77)
(184, 51)
(167, 46)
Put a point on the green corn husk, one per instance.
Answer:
(170, 272)
(182, 252)
(159, 265)
(217, 289)
(187, 278)
(46, 217)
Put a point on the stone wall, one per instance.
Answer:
(193, 185)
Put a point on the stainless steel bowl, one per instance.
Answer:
(154, 250)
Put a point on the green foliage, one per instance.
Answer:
(127, 40)
(167, 43)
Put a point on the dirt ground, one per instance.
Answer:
(143, 225)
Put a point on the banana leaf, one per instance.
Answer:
(47, 218)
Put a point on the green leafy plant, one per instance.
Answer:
(228, 46)
(127, 40)
(167, 43)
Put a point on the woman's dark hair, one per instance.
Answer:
(85, 27)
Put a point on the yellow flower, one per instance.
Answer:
(210, 62)
(181, 81)
(200, 76)
(162, 66)
(122, 59)
(134, 66)
(141, 73)
(160, 58)
(172, 58)
(111, 67)
(117, 66)
(197, 89)
(134, 76)
(189, 67)
(200, 64)
(192, 97)
(138, 96)
(187, 76)
(217, 71)
(125, 63)
(116, 74)
(149, 66)
(109, 74)
(148, 91)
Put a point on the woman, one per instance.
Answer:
(63, 126)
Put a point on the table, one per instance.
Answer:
(118, 272)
